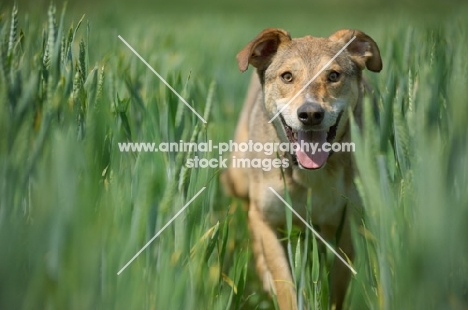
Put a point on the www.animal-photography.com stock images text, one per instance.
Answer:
(220, 155)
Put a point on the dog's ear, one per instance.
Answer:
(363, 50)
(259, 51)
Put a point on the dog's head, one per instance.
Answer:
(309, 85)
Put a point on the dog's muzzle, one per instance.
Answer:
(309, 151)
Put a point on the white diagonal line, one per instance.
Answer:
(313, 230)
(313, 78)
(163, 80)
(161, 230)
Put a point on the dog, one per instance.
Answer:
(315, 112)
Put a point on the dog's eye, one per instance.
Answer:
(287, 77)
(333, 76)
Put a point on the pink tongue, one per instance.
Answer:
(304, 154)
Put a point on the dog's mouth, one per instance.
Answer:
(310, 153)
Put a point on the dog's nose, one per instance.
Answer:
(310, 114)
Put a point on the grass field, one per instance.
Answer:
(74, 209)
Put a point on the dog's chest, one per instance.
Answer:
(319, 196)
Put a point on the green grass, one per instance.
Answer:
(74, 209)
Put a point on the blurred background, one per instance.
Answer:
(74, 209)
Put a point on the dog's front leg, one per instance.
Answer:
(272, 263)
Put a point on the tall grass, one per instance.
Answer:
(413, 174)
(74, 209)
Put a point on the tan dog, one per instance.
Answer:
(319, 114)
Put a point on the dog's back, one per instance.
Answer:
(236, 180)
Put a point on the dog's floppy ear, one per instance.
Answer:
(363, 50)
(259, 51)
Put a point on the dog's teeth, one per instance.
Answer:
(295, 134)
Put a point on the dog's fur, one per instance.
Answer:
(327, 103)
